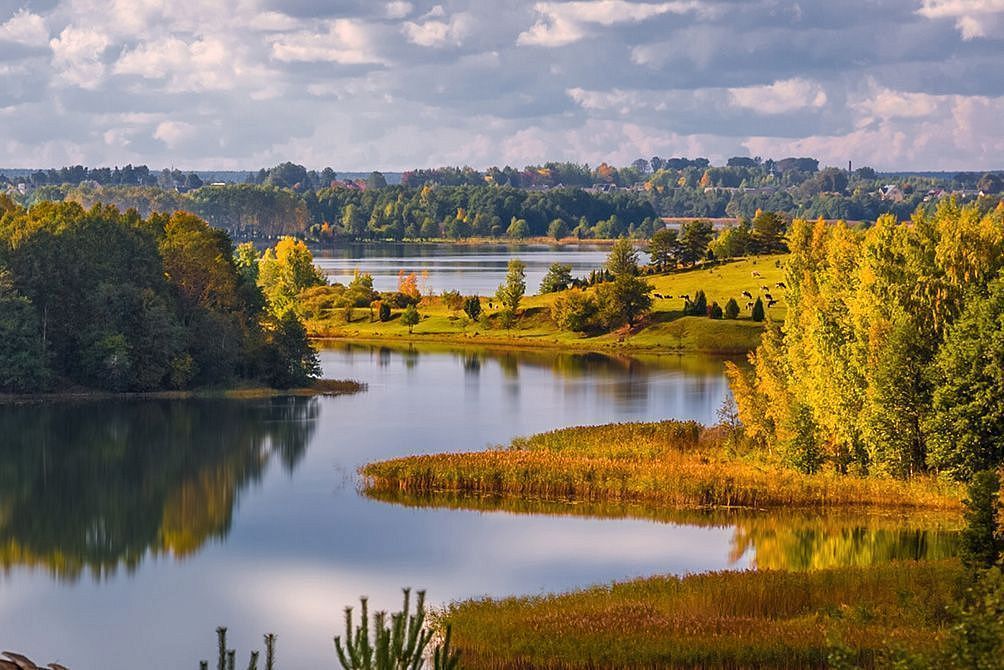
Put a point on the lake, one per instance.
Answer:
(471, 269)
(129, 530)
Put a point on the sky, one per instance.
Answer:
(368, 84)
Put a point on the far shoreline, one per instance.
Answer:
(323, 387)
(531, 343)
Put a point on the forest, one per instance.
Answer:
(556, 200)
(100, 299)
(891, 357)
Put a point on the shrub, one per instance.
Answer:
(698, 306)
(732, 309)
(472, 307)
(715, 311)
(507, 318)
(758, 312)
(383, 311)
(410, 317)
(982, 541)
(453, 300)
(576, 311)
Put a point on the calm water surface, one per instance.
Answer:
(470, 269)
(130, 530)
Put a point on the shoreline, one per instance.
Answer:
(529, 343)
(665, 464)
(324, 387)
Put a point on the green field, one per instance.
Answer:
(665, 330)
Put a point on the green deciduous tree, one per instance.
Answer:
(284, 271)
(623, 301)
(511, 291)
(576, 310)
(23, 365)
(410, 317)
(558, 229)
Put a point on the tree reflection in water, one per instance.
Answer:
(778, 539)
(98, 485)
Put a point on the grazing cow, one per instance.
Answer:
(780, 284)
(756, 275)
(771, 303)
(768, 296)
(686, 297)
(764, 288)
(747, 295)
(658, 295)
(749, 305)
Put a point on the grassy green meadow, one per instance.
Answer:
(665, 329)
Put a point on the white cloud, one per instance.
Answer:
(77, 56)
(345, 41)
(398, 9)
(273, 22)
(973, 18)
(173, 133)
(884, 104)
(201, 65)
(435, 33)
(781, 97)
(25, 28)
(623, 102)
(562, 23)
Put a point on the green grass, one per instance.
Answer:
(670, 463)
(535, 327)
(766, 619)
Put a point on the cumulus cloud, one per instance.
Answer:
(437, 33)
(780, 97)
(77, 56)
(25, 28)
(562, 23)
(398, 9)
(973, 18)
(345, 41)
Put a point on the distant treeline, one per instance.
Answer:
(113, 301)
(554, 199)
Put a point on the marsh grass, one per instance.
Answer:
(766, 619)
(668, 464)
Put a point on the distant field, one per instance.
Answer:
(666, 329)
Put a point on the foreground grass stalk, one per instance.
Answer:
(766, 619)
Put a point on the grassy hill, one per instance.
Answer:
(666, 329)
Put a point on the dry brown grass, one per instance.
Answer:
(667, 464)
